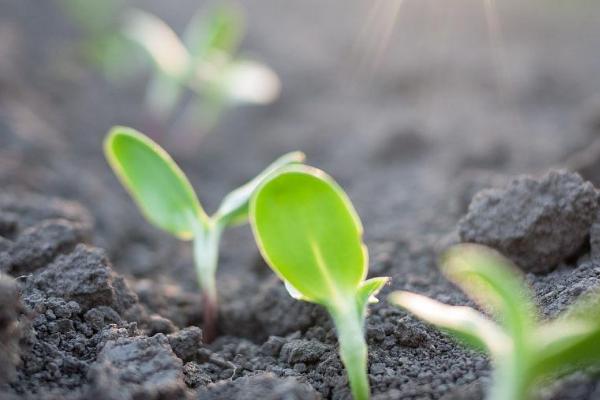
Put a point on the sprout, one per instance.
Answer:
(203, 60)
(522, 348)
(167, 199)
(310, 235)
(100, 43)
(196, 75)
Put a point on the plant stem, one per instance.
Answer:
(353, 348)
(206, 257)
(510, 379)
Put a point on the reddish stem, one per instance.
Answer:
(209, 317)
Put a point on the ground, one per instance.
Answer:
(462, 98)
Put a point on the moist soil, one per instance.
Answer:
(95, 303)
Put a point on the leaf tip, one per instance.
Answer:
(400, 298)
(298, 156)
(466, 257)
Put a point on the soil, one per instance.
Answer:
(95, 303)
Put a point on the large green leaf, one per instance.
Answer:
(494, 283)
(234, 207)
(158, 186)
(310, 234)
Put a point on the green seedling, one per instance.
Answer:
(309, 233)
(167, 199)
(196, 76)
(101, 44)
(523, 349)
(204, 61)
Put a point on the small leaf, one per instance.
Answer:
(494, 283)
(158, 186)
(571, 341)
(218, 31)
(368, 290)
(160, 42)
(309, 234)
(464, 323)
(564, 346)
(247, 81)
(234, 207)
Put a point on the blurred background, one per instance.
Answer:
(410, 104)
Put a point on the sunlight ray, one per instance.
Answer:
(375, 35)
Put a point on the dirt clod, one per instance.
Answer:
(262, 386)
(537, 223)
(186, 342)
(595, 238)
(302, 351)
(137, 368)
(38, 245)
(10, 330)
(86, 277)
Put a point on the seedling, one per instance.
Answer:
(167, 199)
(195, 77)
(101, 44)
(204, 61)
(309, 233)
(523, 349)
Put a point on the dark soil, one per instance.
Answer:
(95, 303)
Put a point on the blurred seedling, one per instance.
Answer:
(523, 349)
(204, 61)
(309, 233)
(195, 78)
(102, 44)
(167, 200)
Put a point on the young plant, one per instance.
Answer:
(309, 233)
(523, 349)
(204, 61)
(167, 199)
(100, 43)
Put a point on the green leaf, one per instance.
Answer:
(219, 31)
(494, 283)
(368, 290)
(234, 207)
(310, 235)
(160, 42)
(464, 323)
(564, 346)
(572, 340)
(154, 181)
(247, 81)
